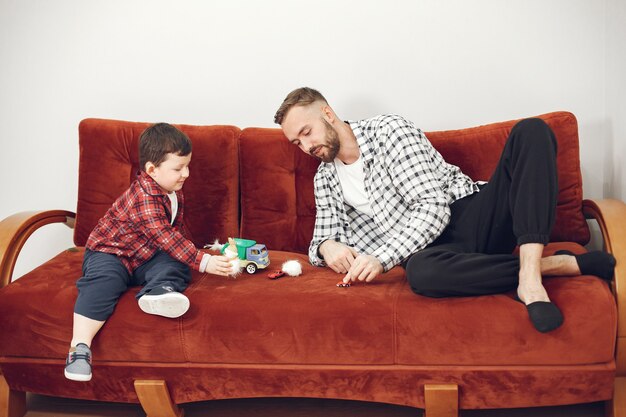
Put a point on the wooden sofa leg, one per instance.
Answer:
(617, 406)
(12, 403)
(155, 399)
(441, 400)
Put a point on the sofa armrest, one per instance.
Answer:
(16, 229)
(610, 215)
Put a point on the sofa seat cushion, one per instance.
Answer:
(309, 320)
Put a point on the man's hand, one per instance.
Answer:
(338, 257)
(364, 268)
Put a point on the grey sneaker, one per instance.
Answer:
(164, 301)
(78, 363)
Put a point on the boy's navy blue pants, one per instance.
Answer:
(105, 279)
(473, 255)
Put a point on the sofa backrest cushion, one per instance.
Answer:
(277, 201)
(278, 206)
(109, 163)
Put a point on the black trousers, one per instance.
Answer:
(473, 255)
(105, 279)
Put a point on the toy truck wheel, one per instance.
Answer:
(251, 268)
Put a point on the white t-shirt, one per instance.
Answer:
(352, 180)
(174, 200)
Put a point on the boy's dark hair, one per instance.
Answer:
(302, 96)
(160, 139)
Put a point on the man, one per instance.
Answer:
(384, 196)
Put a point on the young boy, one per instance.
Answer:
(140, 241)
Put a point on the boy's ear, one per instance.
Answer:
(149, 168)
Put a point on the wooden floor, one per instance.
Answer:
(41, 406)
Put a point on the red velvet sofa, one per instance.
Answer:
(303, 336)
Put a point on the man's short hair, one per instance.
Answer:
(160, 139)
(302, 96)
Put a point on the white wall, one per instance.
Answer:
(443, 64)
(615, 174)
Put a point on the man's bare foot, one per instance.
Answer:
(544, 315)
(530, 288)
(598, 263)
(532, 293)
(559, 264)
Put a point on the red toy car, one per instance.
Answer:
(276, 274)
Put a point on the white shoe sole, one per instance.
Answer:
(170, 305)
(77, 377)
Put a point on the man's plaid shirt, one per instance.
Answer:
(410, 188)
(138, 225)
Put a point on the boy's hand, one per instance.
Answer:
(218, 265)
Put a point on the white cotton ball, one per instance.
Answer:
(216, 246)
(235, 267)
(230, 254)
(292, 268)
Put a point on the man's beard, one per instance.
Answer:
(332, 143)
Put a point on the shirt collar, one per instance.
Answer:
(149, 185)
(365, 147)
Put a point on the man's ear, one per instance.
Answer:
(328, 113)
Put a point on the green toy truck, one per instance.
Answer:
(252, 255)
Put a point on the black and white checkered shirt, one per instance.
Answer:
(410, 189)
